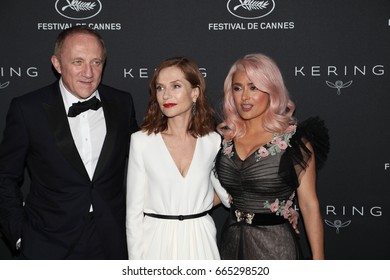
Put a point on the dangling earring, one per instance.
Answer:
(193, 109)
(161, 114)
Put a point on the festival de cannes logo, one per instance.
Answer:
(250, 9)
(78, 10)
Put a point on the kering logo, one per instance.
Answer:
(11, 72)
(337, 72)
(338, 85)
(147, 72)
(78, 10)
(337, 224)
(331, 210)
(4, 85)
(250, 9)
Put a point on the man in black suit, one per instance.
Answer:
(76, 155)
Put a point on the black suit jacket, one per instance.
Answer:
(37, 135)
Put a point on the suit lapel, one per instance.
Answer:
(59, 126)
(110, 116)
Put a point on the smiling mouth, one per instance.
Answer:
(169, 105)
(86, 82)
(246, 107)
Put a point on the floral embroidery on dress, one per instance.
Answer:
(281, 208)
(227, 148)
(277, 144)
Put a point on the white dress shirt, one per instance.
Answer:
(88, 130)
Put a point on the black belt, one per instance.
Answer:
(256, 219)
(176, 217)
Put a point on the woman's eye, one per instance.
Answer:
(158, 88)
(236, 88)
(176, 86)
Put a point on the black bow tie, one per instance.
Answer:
(79, 107)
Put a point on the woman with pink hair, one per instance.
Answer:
(265, 160)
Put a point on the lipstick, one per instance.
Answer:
(169, 105)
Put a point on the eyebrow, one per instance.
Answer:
(172, 82)
(238, 83)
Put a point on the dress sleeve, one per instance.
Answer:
(221, 191)
(314, 131)
(136, 185)
(297, 156)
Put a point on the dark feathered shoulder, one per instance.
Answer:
(311, 130)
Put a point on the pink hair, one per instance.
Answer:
(263, 72)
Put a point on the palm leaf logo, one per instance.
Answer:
(79, 5)
(252, 5)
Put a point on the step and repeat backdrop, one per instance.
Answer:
(334, 55)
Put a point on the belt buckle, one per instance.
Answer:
(244, 216)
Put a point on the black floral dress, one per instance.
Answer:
(262, 188)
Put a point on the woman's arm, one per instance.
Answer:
(220, 194)
(310, 208)
(136, 180)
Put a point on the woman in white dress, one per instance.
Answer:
(170, 183)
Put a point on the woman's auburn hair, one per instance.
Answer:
(263, 72)
(202, 121)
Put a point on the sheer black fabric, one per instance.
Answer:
(256, 182)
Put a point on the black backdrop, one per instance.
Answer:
(334, 56)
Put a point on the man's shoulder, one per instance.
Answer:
(114, 94)
(37, 94)
(106, 88)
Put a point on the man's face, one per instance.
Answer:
(80, 63)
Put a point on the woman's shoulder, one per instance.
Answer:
(211, 140)
(215, 136)
(212, 137)
(314, 131)
(142, 136)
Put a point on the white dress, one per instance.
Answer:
(155, 185)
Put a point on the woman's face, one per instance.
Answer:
(175, 94)
(250, 102)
